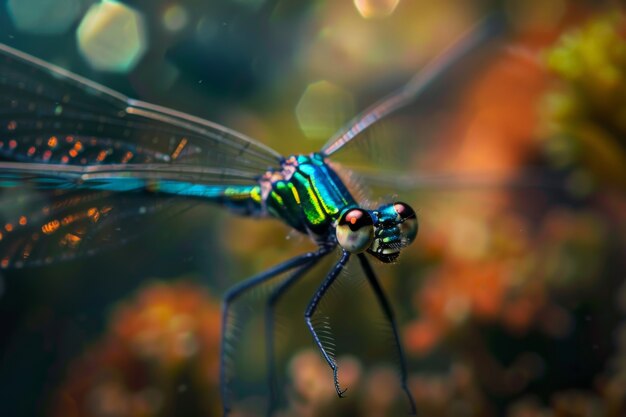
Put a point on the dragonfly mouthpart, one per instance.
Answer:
(395, 227)
(384, 250)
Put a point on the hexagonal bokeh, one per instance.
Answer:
(375, 8)
(112, 37)
(175, 17)
(44, 16)
(323, 108)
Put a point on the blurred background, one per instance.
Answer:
(510, 303)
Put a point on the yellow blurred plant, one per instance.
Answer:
(587, 111)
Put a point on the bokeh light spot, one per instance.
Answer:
(323, 109)
(175, 18)
(44, 16)
(112, 37)
(375, 8)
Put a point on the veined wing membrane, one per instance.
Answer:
(39, 101)
(402, 182)
(476, 37)
(38, 228)
(90, 167)
(121, 177)
(48, 215)
(456, 132)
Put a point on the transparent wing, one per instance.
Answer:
(401, 182)
(474, 129)
(69, 147)
(48, 115)
(475, 37)
(37, 228)
(165, 178)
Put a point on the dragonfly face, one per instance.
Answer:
(382, 232)
(395, 227)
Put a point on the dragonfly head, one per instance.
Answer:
(382, 232)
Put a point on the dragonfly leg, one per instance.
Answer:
(310, 311)
(384, 303)
(273, 299)
(237, 291)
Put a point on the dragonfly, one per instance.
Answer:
(80, 143)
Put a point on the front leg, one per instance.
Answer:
(384, 304)
(310, 311)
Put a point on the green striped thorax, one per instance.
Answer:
(309, 196)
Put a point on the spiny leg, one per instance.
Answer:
(238, 290)
(273, 299)
(319, 294)
(384, 303)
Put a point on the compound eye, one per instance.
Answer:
(355, 230)
(408, 221)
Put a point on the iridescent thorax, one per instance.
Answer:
(306, 193)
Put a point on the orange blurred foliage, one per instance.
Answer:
(158, 346)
